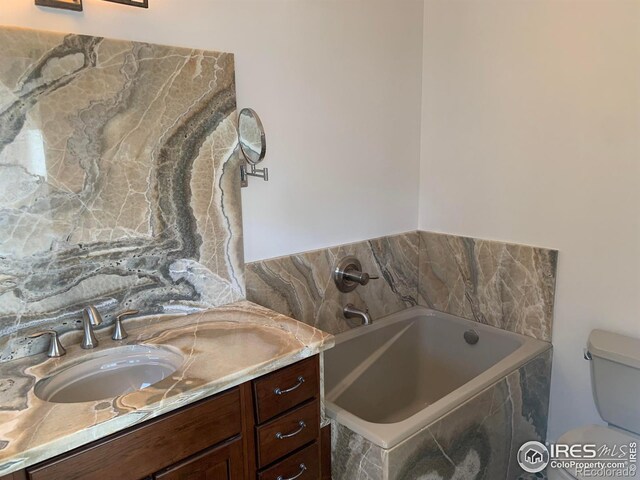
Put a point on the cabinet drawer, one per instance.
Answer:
(282, 390)
(143, 450)
(287, 433)
(223, 462)
(304, 463)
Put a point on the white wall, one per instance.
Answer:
(337, 85)
(531, 134)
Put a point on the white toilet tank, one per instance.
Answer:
(615, 378)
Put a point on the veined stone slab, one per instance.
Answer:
(302, 286)
(505, 285)
(118, 181)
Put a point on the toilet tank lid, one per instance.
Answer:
(615, 347)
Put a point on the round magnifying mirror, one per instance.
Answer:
(251, 136)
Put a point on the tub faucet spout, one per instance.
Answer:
(351, 311)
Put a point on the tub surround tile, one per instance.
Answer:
(119, 181)
(354, 457)
(478, 440)
(505, 285)
(222, 347)
(530, 399)
(301, 285)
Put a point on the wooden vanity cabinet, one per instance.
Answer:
(287, 417)
(268, 428)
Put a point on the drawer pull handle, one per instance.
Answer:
(279, 391)
(303, 467)
(282, 436)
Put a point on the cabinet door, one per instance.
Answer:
(224, 462)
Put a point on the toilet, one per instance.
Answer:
(615, 381)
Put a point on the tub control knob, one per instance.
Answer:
(348, 274)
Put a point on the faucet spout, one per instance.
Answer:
(90, 318)
(351, 311)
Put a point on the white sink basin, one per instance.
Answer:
(110, 373)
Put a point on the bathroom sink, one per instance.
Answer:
(110, 373)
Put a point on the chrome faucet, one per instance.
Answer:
(90, 318)
(351, 311)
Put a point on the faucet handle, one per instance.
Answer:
(119, 333)
(360, 277)
(55, 347)
(348, 274)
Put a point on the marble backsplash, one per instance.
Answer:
(302, 285)
(506, 285)
(119, 182)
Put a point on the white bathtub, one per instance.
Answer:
(389, 380)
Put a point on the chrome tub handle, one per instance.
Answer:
(282, 436)
(279, 391)
(303, 467)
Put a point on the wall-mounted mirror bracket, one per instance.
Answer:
(252, 171)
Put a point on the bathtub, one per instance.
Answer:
(389, 380)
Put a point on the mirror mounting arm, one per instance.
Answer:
(252, 172)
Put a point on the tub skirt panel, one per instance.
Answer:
(478, 440)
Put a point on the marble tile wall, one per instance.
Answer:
(353, 457)
(505, 285)
(118, 181)
(477, 441)
(302, 286)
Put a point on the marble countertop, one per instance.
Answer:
(223, 347)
